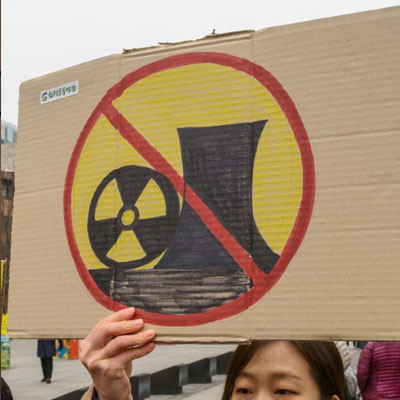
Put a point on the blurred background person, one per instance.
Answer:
(46, 350)
(349, 373)
(378, 371)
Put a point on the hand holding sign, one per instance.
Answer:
(108, 351)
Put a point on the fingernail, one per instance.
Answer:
(149, 333)
(137, 322)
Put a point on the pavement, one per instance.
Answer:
(68, 375)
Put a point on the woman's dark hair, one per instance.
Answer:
(326, 366)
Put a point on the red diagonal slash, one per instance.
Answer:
(159, 163)
(261, 282)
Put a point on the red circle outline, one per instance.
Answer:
(265, 282)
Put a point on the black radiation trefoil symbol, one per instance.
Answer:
(153, 234)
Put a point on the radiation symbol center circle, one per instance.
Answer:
(128, 216)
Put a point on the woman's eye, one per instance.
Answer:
(243, 391)
(283, 391)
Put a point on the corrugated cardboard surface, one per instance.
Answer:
(342, 75)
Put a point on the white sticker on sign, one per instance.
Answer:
(59, 92)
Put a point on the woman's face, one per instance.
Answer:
(277, 371)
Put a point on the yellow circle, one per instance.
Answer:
(128, 217)
(196, 95)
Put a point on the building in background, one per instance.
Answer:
(8, 147)
(8, 132)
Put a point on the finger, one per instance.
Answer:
(102, 334)
(129, 355)
(126, 313)
(123, 343)
(123, 315)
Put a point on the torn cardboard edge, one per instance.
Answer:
(213, 37)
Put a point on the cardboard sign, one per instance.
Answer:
(237, 187)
